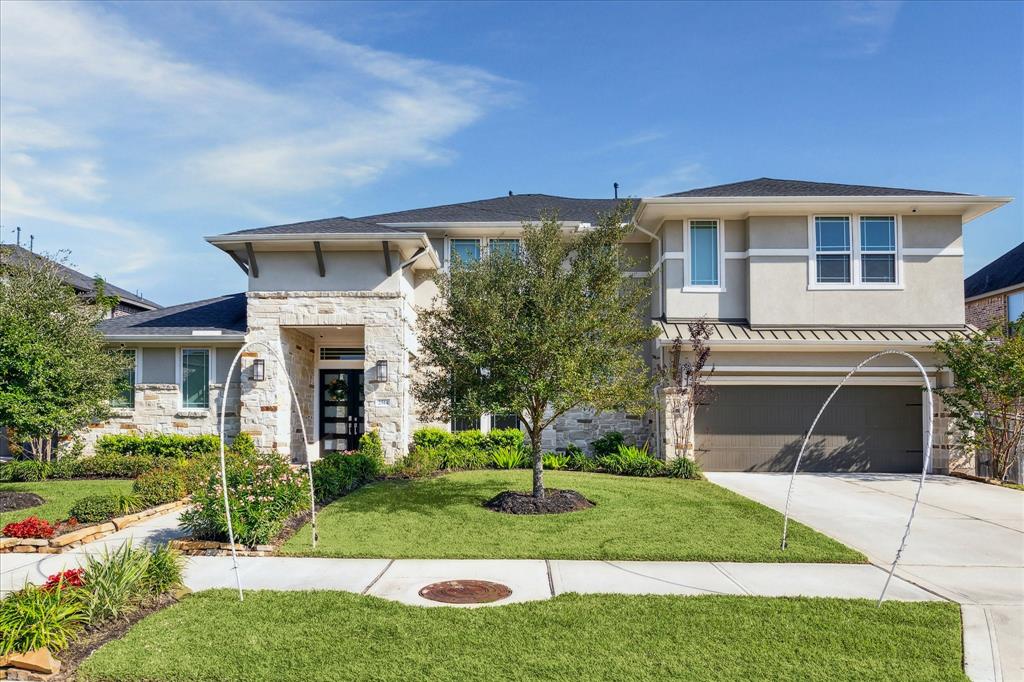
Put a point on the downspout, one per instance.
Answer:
(657, 391)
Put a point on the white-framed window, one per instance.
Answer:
(878, 249)
(126, 384)
(503, 247)
(1015, 306)
(195, 371)
(833, 250)
(465, 250)
(854, 252)
(704, 261)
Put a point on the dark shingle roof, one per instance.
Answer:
(1005, 271)
(339, 225)
(772, 187)
(77, 280)
(517, 207)
(223, 313)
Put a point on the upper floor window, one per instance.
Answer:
(503, 247)
(832, 252)
(195, 377)
(878, 249)
(126, 383)
(704, 253)
(466, 250)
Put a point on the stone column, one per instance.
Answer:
(677, 425)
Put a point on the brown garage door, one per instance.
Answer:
(761, 428)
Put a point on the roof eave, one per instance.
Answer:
(226, 241)
(197, 339)
(973, 206)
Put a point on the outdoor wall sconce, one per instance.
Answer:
(380, 375)
(258, 370)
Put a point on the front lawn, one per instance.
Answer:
(59, 497)
(635, 518)
(312, 636)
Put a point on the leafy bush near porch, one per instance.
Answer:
(471, 449)
(339, 473)
(684, 468)
(263, 492)
(159, 486)
(158, 445)
(607, 445)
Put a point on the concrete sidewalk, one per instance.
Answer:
(530, 580)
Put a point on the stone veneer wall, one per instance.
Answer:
(580, 426)
(266, 412)
(157, 410)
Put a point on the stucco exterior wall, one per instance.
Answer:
(343, 271)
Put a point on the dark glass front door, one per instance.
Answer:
(341, 409)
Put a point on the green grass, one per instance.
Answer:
(60, 496)
(635, 518)
(311, 636)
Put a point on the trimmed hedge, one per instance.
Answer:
(95, 508)
(462, 450)
(158, 445)
(339, 473)
(159, 486)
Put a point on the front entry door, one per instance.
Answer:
(341, 409)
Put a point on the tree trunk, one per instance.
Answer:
(538, 465)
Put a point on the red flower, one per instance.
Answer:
(72, 578)
(31, 527)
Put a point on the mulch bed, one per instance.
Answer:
(554, 502)
(90, 640)
(13, 501)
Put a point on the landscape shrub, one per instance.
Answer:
(455, 457)
(158, 445)
(24, 471)
(630, 460)
(555, 461)
(263, 492)
(421, 461)
(31, 527)
(114, 466)
(338, 473)
(242, 445)
(431, 437)
(114, 581)
(470, 449)
(64, 468)
(683, 467)
(159, 486)
(36, 617)
(503, 438)
(97, 508)
(509, 457)
(606, 445)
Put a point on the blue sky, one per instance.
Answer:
(128, 131)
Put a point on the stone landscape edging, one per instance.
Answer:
(85, 534)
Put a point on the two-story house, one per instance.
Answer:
(801, 281)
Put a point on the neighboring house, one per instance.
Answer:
(801, 281)
(995, 294)
(128, 302)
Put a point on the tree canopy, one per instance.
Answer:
(539, 330)
(56, 372)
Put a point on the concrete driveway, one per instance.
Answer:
(966, 544)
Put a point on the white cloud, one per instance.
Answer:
(101, 124)
(866, 26)
(677, 179)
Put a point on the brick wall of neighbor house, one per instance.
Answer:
(157, 410)
(985, 312)
(266, 411)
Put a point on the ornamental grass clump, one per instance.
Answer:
(36, 617)
(263, 492)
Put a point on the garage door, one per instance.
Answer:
(761, 428)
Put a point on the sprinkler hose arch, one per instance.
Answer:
(924, 468)
(223, 469)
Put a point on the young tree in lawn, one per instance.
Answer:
(539, 332)
(56, 373)
(987, 398)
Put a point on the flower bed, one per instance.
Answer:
(66, 536)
